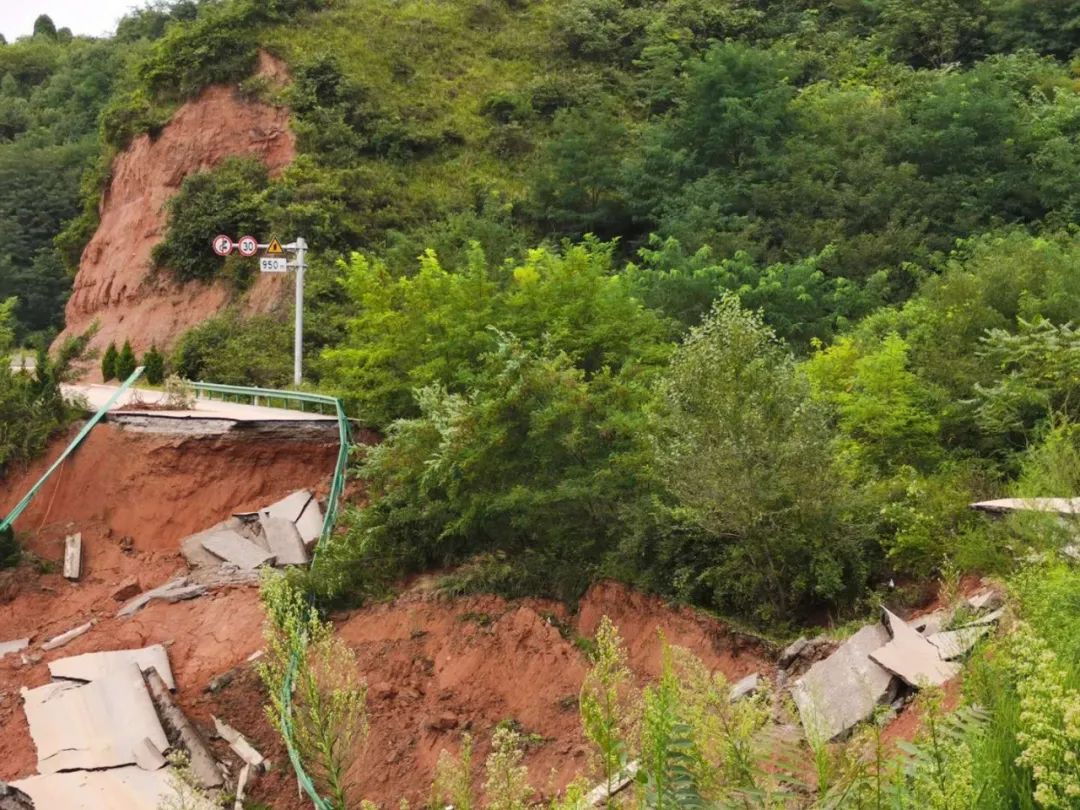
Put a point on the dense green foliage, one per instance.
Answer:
(154, 364)
(32, 408)
(885, 184)
(108, 362)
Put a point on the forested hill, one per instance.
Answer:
(826, 154)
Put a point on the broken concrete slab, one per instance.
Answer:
(239, 744)
(912, 658)
(989, 618)
(957, 643)
(96, 665)
(310, 523)
(130, 788)
(792, 651)
(990, 599)
(70, 635)
(285, 541)
(289, 508)
(600, 795)
(1000, 506)
(746, 687)
(237, 550)
(8, 647)
(176, 590)
(94, 725)
(932, 622)
(148, 757)
(73, 556)
(203, 765)
(844, 689)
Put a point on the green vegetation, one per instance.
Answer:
(741, 302)
(32, 408)
(154, 363)
(125, 361)
(108, 362)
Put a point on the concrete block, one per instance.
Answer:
(310, 523)
(97, 665)
(912, 658)
(844, 689)
(64, 638)
(8, 647)
(289, 508)
(73, 556)
(237, 550)
(956, 643)
(95, 725)
(284, 540)
(746, 687)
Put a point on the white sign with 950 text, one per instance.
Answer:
(273, 264)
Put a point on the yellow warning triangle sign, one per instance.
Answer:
(275, 248)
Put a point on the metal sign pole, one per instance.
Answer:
(298, 338)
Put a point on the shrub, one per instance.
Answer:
(125, 362)
(328, 716)
(747, 454)
(108, 362)
(154, 363)
(538, 460)
(229, 199)
(231, 350)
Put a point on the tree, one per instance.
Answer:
(125, 362)
(154, 362)
(44, 27)
(747, 454)
(108, 362)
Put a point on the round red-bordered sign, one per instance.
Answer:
(248, 246)
(223, 245)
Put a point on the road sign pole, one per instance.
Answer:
(298, 338)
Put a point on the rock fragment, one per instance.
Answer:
(912, 658)
(73, 556)
(957, 643)
(844, 689)
(70, 635)
(745, 687)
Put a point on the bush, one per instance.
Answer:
(230, 200)
(231, 350)
(538, 460)
(108, 362)
(748, 456)
(125, 362)
(154, 363)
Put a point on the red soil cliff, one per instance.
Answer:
(115, 285)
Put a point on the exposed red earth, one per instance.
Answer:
(115, 287)
(435, 667)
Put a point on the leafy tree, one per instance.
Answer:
(154, 363)
(125, 362)
(108, 362)
(537, 459)
(747, 453)
(433, 326)
(44, 27)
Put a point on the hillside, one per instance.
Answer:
(742, 305)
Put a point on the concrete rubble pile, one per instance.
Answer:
(879, 664)
(282, 534)
(99, 739)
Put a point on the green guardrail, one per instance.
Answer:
(267, 396)
(20, 507)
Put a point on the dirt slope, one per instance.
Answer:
(436, 667)
(114, 285)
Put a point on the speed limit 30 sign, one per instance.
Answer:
(248, 246)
